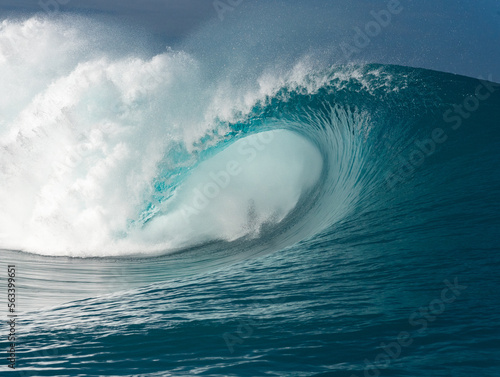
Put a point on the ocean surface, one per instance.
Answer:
(169, 215)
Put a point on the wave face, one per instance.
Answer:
(107, 153)
(365, 190)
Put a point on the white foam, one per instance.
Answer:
(84, 131)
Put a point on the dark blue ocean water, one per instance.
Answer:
(404, 282)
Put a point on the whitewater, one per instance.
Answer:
(111, 148)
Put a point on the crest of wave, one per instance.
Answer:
(87, 117)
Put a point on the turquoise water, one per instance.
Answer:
(354, 233)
